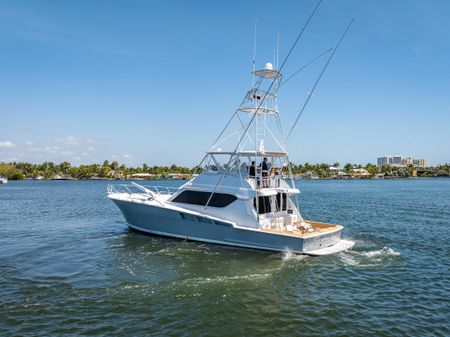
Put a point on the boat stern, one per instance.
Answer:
(337, 247)
(329, 242)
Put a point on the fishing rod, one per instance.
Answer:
(306, 65)
(319, 78)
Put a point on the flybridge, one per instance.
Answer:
(254, 131)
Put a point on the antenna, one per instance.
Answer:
(254, 55)
(318, 79)
(278, 47)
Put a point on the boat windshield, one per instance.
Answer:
(266, 170)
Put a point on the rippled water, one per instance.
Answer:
(69, 266)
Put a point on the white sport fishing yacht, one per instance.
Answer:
(245, 193)
(3, 180)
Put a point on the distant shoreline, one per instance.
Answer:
(114, 171)
(169, 179)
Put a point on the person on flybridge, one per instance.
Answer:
(265, 172)
(264, 168)
(252, 170)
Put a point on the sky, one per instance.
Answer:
(155, 81)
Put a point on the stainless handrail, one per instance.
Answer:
(271, 181)
(128, 188)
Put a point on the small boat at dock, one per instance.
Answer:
(63, 177)
(3, 180)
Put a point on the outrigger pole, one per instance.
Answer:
(254, 56)
(279, 70)
(265, 96)
(259, 82)
(304, 66)
(318, 79)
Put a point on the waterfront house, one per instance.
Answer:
(142, 176)
(360, 173)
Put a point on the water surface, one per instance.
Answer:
(69, 265)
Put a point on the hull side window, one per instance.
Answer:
(201, 198)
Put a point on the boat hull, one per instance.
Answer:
(174, 223)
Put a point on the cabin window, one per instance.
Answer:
(201, 198)
(281, 201)
(265, 203)
(263, 206)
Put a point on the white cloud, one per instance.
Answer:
(46, 149)
(7, 145)
(71, 147)
(71, 140)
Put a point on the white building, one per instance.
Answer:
(400, 161)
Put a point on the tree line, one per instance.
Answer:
(111, 170)
(323, 170)
(114, 170)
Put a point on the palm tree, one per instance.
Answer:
(348, 168)
(64, 167)
(114, 165)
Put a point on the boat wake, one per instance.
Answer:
(368, 258)
(385, 251)
(226, 279)
(289, 256)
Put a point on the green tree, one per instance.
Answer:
(348, 168)
(64, 167)
(372, 169)
(114, 165)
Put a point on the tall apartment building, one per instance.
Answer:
(400, 161)
(419, 162)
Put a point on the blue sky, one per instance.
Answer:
(155, 81)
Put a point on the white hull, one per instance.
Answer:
(172, 222)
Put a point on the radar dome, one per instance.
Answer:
(268, 66)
